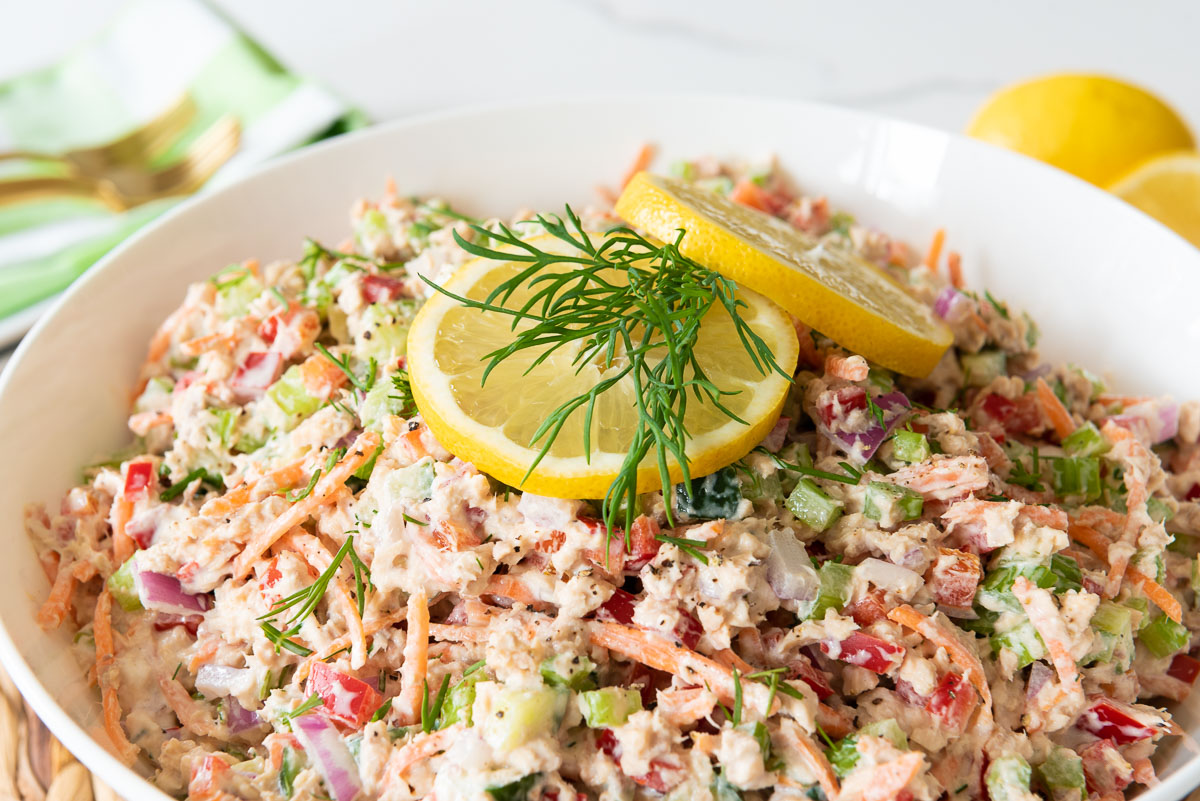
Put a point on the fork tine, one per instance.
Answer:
(207, 164)
(144, 143)
(214, 139)
(164, 131)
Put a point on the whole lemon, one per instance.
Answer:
(1095, 127)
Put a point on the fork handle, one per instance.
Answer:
(25, 189)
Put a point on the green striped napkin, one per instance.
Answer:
(153, 53)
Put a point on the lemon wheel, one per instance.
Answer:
(1168, 189)
(492, 424)
(831, 289)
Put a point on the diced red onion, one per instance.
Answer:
(164, 593)
(789, 570)
(238, 717)
(775, 440)
(859, 447)
(1157, 420)
(1039, 675)
(215, 680)
(326, 748)
(913, 558)
(1041, 371)
(949, 302)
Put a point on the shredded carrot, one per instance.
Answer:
(851, 368)
(1098, 544)
(214, 341)
(750, 194)
(732, 661)
(58, 603)
(191, 713)
(123, 544)
(954, 265)
(835, 722)
(407, 705)
(683, 706)
(659, 653)
(1054, 410)
(509, 586)
(325, 491)
(106, 654)
(1040, 609)
(935, 249)
(1094, 516)
(321, 376)
(423, 746)
(962, 656)
(796, 740)
(291, 475)
(644, 156)
(341, 643)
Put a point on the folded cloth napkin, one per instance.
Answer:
(150, 56)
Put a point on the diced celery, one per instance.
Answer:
(579, 677)
(995, 593)
(1164, 636)
(236, 291)
(225, 425)
(834, 592)
(684, 170)
(1101, 652)
(372, 225)
(721, 790)
(1061, 773)
(812, 506)
(717, 495)
(1142, 606)
(757, 487)
(1086, 441)
(891, 502)
(911, 447)
(1070, 577)
(521, 714)
(980, 369)
(882, 380)
(1023, 640)
(1196, 577)
(289, 394)
(121, 585)
(1008, 778)
(384, 331)
(609, 706)
(459, 700)
(380, 401)
(1159, 510)
(1112, 618)
(888, 729)
(1075, 475)
(155, 395)
(414, 482)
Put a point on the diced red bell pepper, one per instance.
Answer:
(659, 778)
(811, 675)
(618, 608)
(164, 621)
(865, 651)
(208, 779)
(377, 288)
(952, 701)
(139, 479)
(1110, 719)
(1184, 668)
(643, 538)
(954, 577)
(868, 609)
(269, 328)
(833, 406)
(688, 629)
(1103, 769)
(259, 371)
(1193, 493)
(1018, 416)
(345, 699)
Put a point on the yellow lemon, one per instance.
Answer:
(1168, 189)
(826, 287)
(1092, 126)
(492, 424)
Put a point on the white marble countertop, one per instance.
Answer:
(930, 62)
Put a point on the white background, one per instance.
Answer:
(930, 62)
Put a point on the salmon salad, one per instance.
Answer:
(977, 584)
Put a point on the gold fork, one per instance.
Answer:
(138, 147)
(124, 187)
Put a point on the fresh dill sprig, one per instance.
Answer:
(402, 385)
(380, 713)
(430, 712)
(307, 600)
(175, 490)
(366, 382)
(810, 471)
(632, 308)
(690, 547)
(291, 496)
(312, 702)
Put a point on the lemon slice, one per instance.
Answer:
(491, 425)
(1095, 127)
(831, 289)
(1168, 189)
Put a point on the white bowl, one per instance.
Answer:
(1111, 289)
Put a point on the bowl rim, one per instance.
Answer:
(132, 785)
